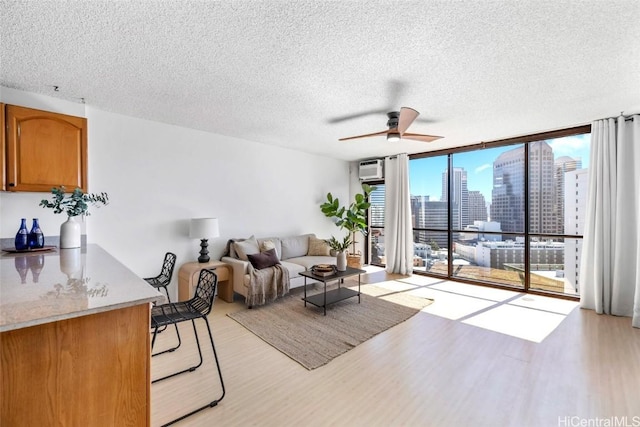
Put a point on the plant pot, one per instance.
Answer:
(354, 260)
(341, 261)
(70, 234)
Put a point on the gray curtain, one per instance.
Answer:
(398, 229)
(610, 265)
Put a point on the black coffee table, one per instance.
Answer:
(329, 297)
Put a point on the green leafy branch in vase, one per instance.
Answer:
(76, 203)
(337, 245)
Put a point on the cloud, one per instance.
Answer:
(482, 168)
(573, 146)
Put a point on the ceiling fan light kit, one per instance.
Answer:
(393, 137)
(398, 123)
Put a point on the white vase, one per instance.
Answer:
(70, 233)
(341, 261)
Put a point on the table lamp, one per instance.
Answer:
(203, 229)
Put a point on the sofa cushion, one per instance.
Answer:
(294, 269)
(307, 262)
(264, 259)
(295, 246)
(246, 247)
(318, 247)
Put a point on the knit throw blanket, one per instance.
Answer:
(267, 284)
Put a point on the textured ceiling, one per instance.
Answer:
(286, 72)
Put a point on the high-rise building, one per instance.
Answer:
(433, 215)
(507, 195)
(576, 185)
(542, 189)
(417, 207)
(459, 196)
(562, 165)
(497, 254)
(477, 207)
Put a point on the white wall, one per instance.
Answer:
(158, 176)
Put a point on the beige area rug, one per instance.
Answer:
(313, 340)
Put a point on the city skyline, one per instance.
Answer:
(425, 175)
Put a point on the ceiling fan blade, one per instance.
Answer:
(420, 137)
(384, 132)
(407, 116)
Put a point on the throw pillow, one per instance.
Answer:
(263, 259)
(249, 246)
(318, 247)
(232, 250)
(266, 245)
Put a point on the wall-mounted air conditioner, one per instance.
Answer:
(370, 170)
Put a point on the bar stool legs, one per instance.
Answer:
(197, 307)
(193, 368)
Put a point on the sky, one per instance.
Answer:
(425, 175)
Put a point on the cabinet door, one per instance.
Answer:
(45, 150)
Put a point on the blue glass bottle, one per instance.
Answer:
(22, 237)
(36, 237)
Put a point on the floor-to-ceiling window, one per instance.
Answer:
(509, 213)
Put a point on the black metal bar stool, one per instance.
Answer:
(197, 307)
(163, 280)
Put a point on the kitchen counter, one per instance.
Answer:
(75, 344)
(43, 287)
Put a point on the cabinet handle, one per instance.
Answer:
(11, 184)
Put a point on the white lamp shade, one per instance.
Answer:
(203, 228)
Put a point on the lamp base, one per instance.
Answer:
(204, 252)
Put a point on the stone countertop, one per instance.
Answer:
(43, 287)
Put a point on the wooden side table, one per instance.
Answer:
(190, 271)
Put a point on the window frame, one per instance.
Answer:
(524, 139)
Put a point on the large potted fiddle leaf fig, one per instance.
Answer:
(352, 218)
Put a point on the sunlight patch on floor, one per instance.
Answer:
(526, 316)
(372, 268)
(476, 291)
(420, 280)
(449, 305)
(520, 322)
(539, 302)
(395, 285)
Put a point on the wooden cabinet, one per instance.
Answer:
(43, 150)
(91, 370)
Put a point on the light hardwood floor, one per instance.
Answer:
(436, 369)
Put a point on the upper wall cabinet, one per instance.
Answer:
(44, 150)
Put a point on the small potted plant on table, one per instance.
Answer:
(340, 248)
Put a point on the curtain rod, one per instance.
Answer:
(626, 118)
(395, 156)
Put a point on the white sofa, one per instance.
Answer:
(296, 254)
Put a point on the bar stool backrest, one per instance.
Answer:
(205, 292)
(167, 267)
